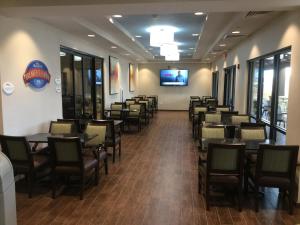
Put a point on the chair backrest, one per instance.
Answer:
(195, 97)
(277, 160)
(205, 97)
(198, 109)
(110, 132)
(99, 129)
(253, 131)
(213, 132)
(16, 149)
(65, 151)
(134, 110)
(116, 109)
(74, 121)
(62, 127)
(145, 102)
(211, 102)
(238, 119)
(225, 159)
(220, 109)
(212, 118)
(129, 102)
(226, 116)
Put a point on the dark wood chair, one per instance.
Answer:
(226, 116)
(115, 111)
(97, 145)
(67, 159)
(275, 167)
(113, 137)
(196, 120)
(33, 165)
(75, 122)
(224, 167)
(134, 116)
(222, 108)
(62, 127)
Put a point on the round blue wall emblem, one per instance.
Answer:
(36, 74)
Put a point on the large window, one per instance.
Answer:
(229, 86)
(215, 82)
(82, 89)
(269, 78)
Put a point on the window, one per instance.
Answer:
(215, 82)
(269, 78)
(229, 86)
(82, 89)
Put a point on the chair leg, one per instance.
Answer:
(106, 165)
(53, 181)
(256, 197)
(81, 186)
(114, 154)
(291, 200)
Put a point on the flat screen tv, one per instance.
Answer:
(174, 77)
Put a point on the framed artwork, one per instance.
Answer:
(132, 78)
(114, 76)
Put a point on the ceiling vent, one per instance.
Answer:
(257, 13)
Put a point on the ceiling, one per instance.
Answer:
(92, 17)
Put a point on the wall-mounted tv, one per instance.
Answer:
(174, 77)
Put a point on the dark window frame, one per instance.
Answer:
(93, 79)
(215, 84)
(274, 100)
(232, 73)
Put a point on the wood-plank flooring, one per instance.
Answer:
(155, 183)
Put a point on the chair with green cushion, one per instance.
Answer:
(34, 165)
(116, 111)
(129, 102)
(220, 109)
(212, 118)
(276, 167)
(224, 167)
(62, 127)
(97, 144)
(196, 120)
(238, 119)
(134, 116)
(68, 159)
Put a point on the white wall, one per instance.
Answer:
(282, 32)
(174, 98)
(27, 111)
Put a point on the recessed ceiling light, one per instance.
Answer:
(236, 32)
(111, 20)
(195, 35)
(133, 39)
(113, 46)
(91, 35)
(117, 16)
(222, 45)
(138, 36)
(198, 13)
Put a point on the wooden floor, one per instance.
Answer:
(155, 183)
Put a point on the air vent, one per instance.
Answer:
(231, 36)
(256, 13)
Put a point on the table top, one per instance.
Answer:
(251, 145)
(43, 137)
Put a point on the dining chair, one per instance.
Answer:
(76, 123)
(145, 115)
(34, 165)
(62, 127)
(212, 117)
(116, 111)
(253, 131)
(211, 103)
(193, 104)
(134, 116)
(226, 116)
(224, 167)
(129, 102)
(97, 144)
(238, 119)
(67, 159)
(220, 109)
(275, 167)
(197, 118)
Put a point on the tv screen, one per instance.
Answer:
(174, 77)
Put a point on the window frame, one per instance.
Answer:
(274, 128)
(215, 84)
(232, 70)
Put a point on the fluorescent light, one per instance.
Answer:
(222, 45)
(173, 57)
(111, 20)
(168, 49)
(195, 35)
(236, 32)
(138, 36)
(62, 54)
(91, 35)
(161, 34)
(113, 47)
(198, 13)
(117, 16)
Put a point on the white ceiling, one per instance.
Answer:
(91, 16)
